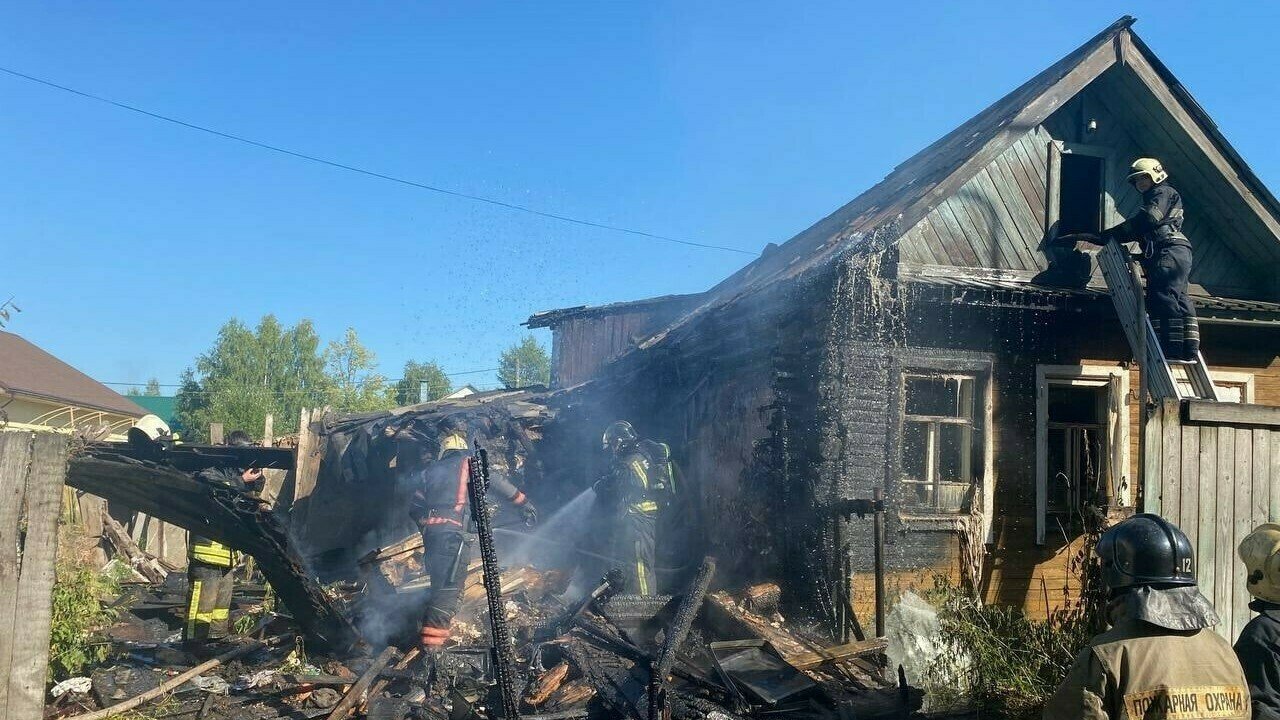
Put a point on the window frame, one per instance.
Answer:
(1116, 379)
(974, 365)
(1053, 184)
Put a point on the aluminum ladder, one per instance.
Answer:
(1123, 279)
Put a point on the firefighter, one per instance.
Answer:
(210, 578)
(1166, 259)
(1258, 646)
(441, 508)
(640, 484)
(1160, 658)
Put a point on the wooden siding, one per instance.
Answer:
(580, 347)
(997, 219)
(1216, 478)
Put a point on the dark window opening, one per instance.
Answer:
(1080, 195)
(1078, 453)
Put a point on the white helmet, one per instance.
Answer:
(1260, 552)
(151, 426)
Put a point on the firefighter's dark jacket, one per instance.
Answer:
(1258, 648)
(1138, 669)
(641, 479)
(441, 497)
(1158, 224)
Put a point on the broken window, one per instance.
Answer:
(1080, 194)
(1082, 442)
(941, 448)
(1077, 453)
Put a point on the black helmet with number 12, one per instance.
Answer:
(1146, 549)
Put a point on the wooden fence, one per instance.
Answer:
(32, 469)
(1213, 468)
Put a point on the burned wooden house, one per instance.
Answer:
(930, 338)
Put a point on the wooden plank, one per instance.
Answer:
(1241, 525)
(1261, 466)
(1232, 413)
(980, 242)
(15, 456)
(1273, 504)
(1206, 556)
(1006, 229)
(1152, 461)
(1171, 465)
(215, 434)
(1189, 484)
(1224, 548)
(1027, 224)
(839, 653)
(30, 659)
(1029, 180)
(962, 246)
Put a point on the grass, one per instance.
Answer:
(1000, 663)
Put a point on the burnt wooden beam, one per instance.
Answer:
(226, 515)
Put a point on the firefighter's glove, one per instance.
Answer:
(529, 514)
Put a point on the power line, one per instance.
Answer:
(382, 176)
(358, 382)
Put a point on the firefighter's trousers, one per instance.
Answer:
(446, 555)
(1173, 317)
(209, 589)
(635, 548)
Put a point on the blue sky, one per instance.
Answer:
(128, 241)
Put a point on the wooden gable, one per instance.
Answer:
(998, 219)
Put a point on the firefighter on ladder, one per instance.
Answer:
(210, 580)
(441, 508)
(640, 484)
(1166, 259)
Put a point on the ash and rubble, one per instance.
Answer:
(584, 646)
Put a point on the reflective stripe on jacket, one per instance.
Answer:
(211, 553)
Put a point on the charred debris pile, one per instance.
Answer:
(580, 645)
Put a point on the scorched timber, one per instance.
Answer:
(225, 515)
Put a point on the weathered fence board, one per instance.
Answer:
(32, 470)
(1213, 471)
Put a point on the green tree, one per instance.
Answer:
(152, 389)
(249, 373)
(408, 390)
(355, 386)
(525, 363)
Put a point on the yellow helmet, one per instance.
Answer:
(453, 441)
(1260, 552)
(1150, 167)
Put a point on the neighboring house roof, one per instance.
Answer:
(895, 204)
(551, 318)
(27, 370)
(464, 391)
(162, 406)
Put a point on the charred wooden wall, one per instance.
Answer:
(583, 344)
